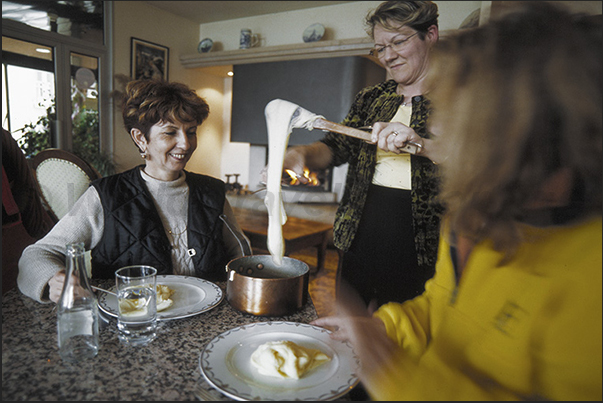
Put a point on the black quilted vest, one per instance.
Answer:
(134, 233)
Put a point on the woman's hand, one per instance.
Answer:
(293, 160)
(354, 323)
(57, 282)
(367, 336)
(351, 328)
(393, 136)
(56, 286)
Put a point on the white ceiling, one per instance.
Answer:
(203, 12)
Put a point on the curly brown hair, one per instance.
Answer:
(147, 102)
(517, 101)
(391, 15)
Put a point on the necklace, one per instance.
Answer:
(174, 234)
(407, 103)
(174, 242)
(399, 92)
(158, 179)
(182, 208)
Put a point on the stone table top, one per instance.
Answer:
(165, 369)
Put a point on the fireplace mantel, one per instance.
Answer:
(310, 50)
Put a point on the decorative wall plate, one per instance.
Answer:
(314, 33)
(205, 45)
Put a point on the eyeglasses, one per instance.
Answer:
(397, 46)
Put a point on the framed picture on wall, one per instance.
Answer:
(148, 60)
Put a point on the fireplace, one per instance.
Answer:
(316, 190)
(316, 181)
(328, 190)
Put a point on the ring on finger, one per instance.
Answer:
(395, 133)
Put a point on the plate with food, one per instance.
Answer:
(177, 297)
(279, 361)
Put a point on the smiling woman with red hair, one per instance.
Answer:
(155, 214)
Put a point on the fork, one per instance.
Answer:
(103, 290)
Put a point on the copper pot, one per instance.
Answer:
(256, 285)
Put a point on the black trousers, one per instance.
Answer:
(381, 264)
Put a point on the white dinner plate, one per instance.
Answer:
(226, 364)
(192, 296)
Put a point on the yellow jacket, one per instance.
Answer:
(530, 329)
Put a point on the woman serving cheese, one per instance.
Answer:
(387, 223)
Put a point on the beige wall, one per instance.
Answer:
(342, 21)
(216, 155)
(137, 19)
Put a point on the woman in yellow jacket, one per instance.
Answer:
(514, 309)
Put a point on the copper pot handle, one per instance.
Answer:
(243, 243)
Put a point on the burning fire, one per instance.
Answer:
(311, 177)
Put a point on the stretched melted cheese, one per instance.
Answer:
(281, 117)
(286, 360)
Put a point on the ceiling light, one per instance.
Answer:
(43, 50)
(230, 74)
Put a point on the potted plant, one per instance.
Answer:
(37, 137)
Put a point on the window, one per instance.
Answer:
(31, 86)
(61, 93)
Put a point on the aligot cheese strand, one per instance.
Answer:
(281, 117)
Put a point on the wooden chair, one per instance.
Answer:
(62, 177)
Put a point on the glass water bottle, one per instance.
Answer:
(77, 310)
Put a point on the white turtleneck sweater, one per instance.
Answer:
(85, 223)
(171, 201)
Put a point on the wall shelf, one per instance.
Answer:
(311, 50)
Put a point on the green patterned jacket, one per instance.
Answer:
(379, 104)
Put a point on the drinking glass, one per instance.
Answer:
(137, 304)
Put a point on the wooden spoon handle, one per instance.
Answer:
(341, 129)
(410, 147)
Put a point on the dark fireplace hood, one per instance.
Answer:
(324, 86)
